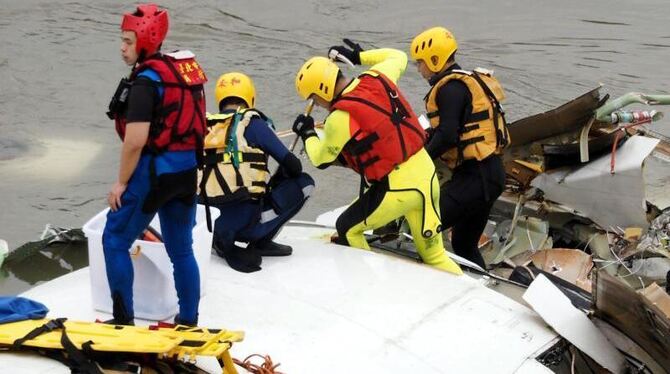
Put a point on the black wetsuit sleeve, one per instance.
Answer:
(454, 103)
(141, 101)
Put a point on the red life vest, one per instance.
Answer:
(385, 132)
(179, 120)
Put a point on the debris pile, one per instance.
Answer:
(575, 211)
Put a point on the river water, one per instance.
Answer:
(60, 63)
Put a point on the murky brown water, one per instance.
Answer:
(59, 64)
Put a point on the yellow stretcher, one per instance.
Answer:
(179, 342)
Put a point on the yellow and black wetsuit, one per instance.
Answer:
(411, 188)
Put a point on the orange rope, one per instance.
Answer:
(267, 367)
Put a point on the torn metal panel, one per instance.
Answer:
(579, 298)
(609, 200)
(652, 269)
(555, 308)
(571, 265)
(531, 366)
(632, 349)
(557, 155)
(529, 234)
(567, 117)
(658, 298)
(522, 172)
(634, 315)
(596, 240)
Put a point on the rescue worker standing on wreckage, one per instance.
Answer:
(469, 132)
(372, 129)
(160, 117)
(236, 179)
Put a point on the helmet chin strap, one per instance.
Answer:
(140, 57)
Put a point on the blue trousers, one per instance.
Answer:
(257, 220)
(125, 225)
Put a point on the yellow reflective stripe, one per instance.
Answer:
(227, 157)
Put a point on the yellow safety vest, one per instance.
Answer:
(485, 130)
(233, 170)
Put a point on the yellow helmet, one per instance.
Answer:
(317, 76)
(438, 42)
(235, 85)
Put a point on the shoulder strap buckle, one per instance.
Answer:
(54, 324)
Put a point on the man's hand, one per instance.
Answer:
(114, 197)
(352, 53)
(304, 126)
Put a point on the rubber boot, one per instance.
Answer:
(179, 321)
(119, 312)
(245, 260)
(270, 248)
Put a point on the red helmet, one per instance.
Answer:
(150, 25)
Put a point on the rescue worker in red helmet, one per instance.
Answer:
(469, 133)
(160, 117)
(372, 129)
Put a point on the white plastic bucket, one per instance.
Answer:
(154, 294)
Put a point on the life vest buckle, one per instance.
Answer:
(54, 324)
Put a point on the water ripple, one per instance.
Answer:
(605, 22)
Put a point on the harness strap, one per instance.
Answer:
(381, 110)
(433, 114)
(207, 171)
(478, 116)
(498, 111)
(468, 128)
(358, 147)
(76, 359)
(212, 157)
(231, 137)
(222, 181)
(53, 324)
(238, 176)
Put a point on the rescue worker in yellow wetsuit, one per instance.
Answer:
(469, 132)
(372, 129)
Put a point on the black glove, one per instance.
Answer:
(353, 53)
(289, 167)
(304, 126)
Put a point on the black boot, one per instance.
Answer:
(270, 248)
(244, 260)
(179, 321)
(119, 312)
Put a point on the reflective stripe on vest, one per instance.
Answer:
(485, 130)
(233, 169)
(387, 132)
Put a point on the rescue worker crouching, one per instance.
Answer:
(160, 117)
(372, 129)
(469, 132)
(235, 178)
